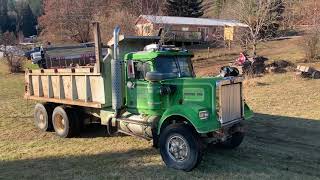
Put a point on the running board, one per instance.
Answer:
(134, 135)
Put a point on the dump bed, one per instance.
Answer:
(63, 57)
(82, 86)
(78, 86)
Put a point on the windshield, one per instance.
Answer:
(179, 65)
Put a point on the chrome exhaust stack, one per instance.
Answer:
(116, 75)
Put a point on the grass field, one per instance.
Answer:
(282, 142)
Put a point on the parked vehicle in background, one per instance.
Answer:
(28, 54)
(51, 57)
(151, 93)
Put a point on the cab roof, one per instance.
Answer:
(147, 55)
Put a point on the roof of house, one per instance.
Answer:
(190, 21)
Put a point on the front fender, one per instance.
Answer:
(248, 113)
(191, 113)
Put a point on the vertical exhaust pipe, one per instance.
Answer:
(98, 48)
(116, 75)
(116, 34)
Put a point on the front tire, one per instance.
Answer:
(180, 147)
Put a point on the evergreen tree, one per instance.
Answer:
(3, 15)
(11, 5)
(184, 8)
(25, 20)
(36, 7)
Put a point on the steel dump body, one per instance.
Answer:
(80, 87)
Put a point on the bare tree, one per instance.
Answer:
(7, 39)
(143, 7)
(310, 44)
(257, 14)
(301, 12)
(14, 63)
(69, 18)
(110, 20)
(72, 19)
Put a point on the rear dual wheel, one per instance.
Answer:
(42, 116)
(65, 122)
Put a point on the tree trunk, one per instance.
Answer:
(254, 49)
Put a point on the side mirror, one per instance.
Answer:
(157, 76)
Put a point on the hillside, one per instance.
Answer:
(286, 49)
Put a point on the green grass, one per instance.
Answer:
(282, 140)
(29, 65)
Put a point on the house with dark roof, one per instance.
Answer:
(185, 29)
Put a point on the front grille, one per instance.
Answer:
(230, 103)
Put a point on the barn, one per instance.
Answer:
(185, 29)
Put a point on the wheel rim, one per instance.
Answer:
(59, 123)
(41, 120)
(178, 148)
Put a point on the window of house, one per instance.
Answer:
(204, 30)
(185, 29)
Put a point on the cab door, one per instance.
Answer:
(137, 86)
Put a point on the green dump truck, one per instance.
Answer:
(147, 91)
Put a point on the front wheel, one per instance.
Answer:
(180, 147)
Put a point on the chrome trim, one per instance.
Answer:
(219, 104)
(231, 123)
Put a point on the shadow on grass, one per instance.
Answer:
(275, 144)
(109, 165)
(275, 147)
(93, 131)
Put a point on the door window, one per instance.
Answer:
(140, 69)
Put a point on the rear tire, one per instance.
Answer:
(42, 117)
(316, 75)
(65, 122)
(180, 147)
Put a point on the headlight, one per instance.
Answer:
(203, 115)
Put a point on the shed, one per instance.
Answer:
(185, 29)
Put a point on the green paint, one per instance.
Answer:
(149, 55)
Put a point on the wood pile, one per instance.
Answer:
(308, 72)
(252, 66)
(280, 66)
